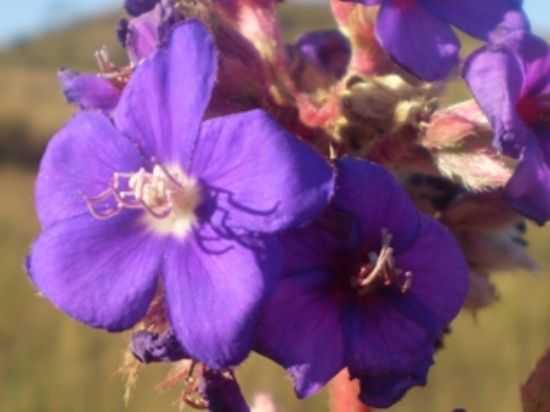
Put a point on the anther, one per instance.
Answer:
(380, 270)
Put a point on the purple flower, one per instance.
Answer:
(327, 50)
(510, 81)
(163, 202)
(88, 91)
(373, 294)
(150, 347)
(138, 7)
(222, 392)
(418, 33)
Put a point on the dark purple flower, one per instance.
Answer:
(418, 33)
(373, 294)
(138, 7)
(88, 91)
(328, 50)
(510, 81)
(150, 347)
(222, 392)
(142, 35)
(164, 200)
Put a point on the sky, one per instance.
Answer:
(23, 18)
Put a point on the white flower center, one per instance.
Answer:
(168, 196)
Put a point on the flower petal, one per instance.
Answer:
(381, 340)
(162, 106)
(373, 196)
(265, 178)
(142, 36)
(494, 76)
(137, 7)
(88, 91)
(301, 329)
(419, 41)
(223, 393)
(528, 190)
(214, 289)
(384, 391)
(480, 20)
(102, 273)
(534, 55)
(319, 244)
(394, 332)
(439, 276)
(79, 162)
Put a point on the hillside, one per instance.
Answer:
(31, 104)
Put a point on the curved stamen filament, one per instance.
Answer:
(381, 270)
(156, 192)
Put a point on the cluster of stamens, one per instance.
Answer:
(380, 270)
(169, 197)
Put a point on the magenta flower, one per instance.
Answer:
(510, 81)
(375, 299)
(418, 33)
(162, 201)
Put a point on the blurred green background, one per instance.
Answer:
(49, 363)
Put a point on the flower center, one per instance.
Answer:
(380, 270)
(167, 196)
(534, 111)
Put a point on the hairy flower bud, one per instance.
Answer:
(459, 139)
(374, 107)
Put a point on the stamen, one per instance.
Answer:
(381, 270)
(169, 198)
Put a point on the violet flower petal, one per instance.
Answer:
(383, 391)
(479, 20)
(528, 190)
(137, 7)
(495, 77)
(419, 41)
(102, 273)
(329, 50)
(88, 91)
(79, 162)
(335, 233)
(214, 289)
(439, 273)
(374, 197)
(223, 394)
(264, 177)
(300, 329)
(403, 328)
(142, 35)
(162, 106)
(534, 54)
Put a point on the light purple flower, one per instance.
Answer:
(371, 286)
(141, 35)
(88, 91)
(510, 81)
(161, 200)
(418, 33)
